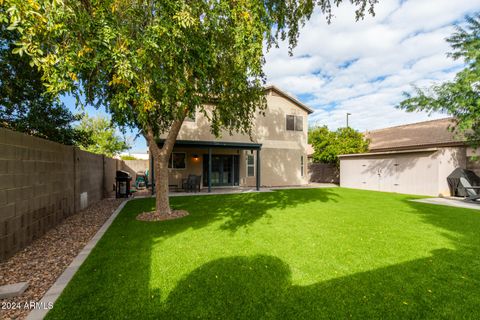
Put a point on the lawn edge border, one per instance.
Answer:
(57, 288)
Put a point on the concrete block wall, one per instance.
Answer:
(323, 173)
(41, 183)
(88, 178)
(110, 167)
(134, 166)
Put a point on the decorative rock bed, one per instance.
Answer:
(152, 216)
(44, 260)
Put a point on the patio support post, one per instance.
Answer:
(258, 169)
(152, 173)
(209, 169)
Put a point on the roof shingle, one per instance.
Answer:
(433, 133)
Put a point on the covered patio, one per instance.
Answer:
(218, 163)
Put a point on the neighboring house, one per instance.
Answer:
(413, 159)
(275, 156)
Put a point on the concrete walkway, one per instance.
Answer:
(232, 190)
(452, 202)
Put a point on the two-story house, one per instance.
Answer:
(276, 155)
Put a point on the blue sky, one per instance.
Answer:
(363, 67)
(138, 143)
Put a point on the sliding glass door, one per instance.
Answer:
(225, 170)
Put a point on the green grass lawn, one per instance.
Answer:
(292, 254)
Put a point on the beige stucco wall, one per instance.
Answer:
(193, 165)
(448, 160)
(280, 153)
(270, 130)
(279, 167)
(420, 173)
(403, 173)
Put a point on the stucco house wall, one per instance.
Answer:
(448, 160)
(281, 153)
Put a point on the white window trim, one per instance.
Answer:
(252, 165)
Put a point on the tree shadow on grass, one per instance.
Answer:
(443, 285)
(260, 287)
(114, 282)
(236, 210)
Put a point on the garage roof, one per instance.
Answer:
(433, 133)
(372, 154)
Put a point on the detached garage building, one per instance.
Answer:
(412, 159)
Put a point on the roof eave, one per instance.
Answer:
(289, 97)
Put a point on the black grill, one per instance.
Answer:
(122, 180)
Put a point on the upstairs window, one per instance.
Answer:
(294, 123)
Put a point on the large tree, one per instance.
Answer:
(25, 105)
(154, 62)
(328, 145)
(461, 96)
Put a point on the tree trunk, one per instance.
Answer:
(160, 164)
(162, 203)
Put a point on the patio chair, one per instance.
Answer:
(464, 183)
(472, 191)
(191, 184)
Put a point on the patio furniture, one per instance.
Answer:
(192, 183)
(141, 180)
(464, 183)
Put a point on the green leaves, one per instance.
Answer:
(328, 144)
(24, 103)
(103, 136)
(153, 62)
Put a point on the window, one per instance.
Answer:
(290, 123)
(177, 160)
(298, 123)
(294, 123)
(250, 165)
(301, 166)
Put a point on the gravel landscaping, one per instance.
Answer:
(44, 260)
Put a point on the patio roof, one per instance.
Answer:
(214, 144)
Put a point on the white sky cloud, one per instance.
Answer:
(363, 67)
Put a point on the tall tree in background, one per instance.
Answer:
(24, 104)
(153, 63)
(103, 136)
(328, 145)
(461, 96)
